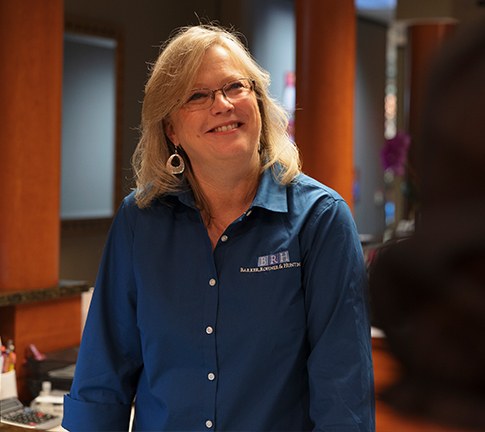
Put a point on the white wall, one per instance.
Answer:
(369, 125)
(88, 127)
(273, 40)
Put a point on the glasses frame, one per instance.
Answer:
(196, 107)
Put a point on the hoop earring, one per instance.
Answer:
(175, 163)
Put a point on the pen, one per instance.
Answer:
(12, 356)
(3, 355)
(9, 357)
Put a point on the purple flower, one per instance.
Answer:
(394, 153)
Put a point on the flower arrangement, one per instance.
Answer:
(394, 153)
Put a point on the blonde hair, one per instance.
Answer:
(172, 77)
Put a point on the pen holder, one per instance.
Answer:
(8, 385)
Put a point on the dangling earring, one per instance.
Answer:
(175, 164)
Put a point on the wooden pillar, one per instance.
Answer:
(30, 108)
(424, 38)
(325, 71)
(31, 47)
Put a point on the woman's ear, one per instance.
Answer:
(169, 131)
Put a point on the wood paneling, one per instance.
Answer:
(51, 326)
(30, 108)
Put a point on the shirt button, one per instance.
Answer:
(208, 424)
(209, 330)
(212, 282)
(211, 376)
(224, 238)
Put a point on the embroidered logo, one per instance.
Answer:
(278, 261)
(278, 258)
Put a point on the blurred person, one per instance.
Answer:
(230, 293)
(428, 292)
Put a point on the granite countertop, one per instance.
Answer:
(65, 288)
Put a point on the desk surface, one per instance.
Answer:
(8, 428)
(64, 289)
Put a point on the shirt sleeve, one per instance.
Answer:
(109, 359)
(340, 361)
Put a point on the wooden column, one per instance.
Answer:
(30, 108)
(31, 46)
(325, 71)
(424, 38)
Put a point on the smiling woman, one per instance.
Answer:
(231, 292)
(222, 140)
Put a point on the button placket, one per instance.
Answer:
(210, 356)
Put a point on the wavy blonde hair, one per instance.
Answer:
(171, 79)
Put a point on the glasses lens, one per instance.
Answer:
(203, 98)
(237, 89)
(199, 99)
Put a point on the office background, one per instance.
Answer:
(140, 27)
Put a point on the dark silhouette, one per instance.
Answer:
(428, 291)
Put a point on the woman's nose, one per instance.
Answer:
(221, 103)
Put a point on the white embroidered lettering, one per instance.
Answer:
(279, 258)
(284, 257)
(283, 266)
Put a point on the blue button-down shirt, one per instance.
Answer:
(266, 332)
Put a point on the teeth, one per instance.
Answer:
(225, 128)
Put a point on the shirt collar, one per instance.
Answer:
(270, 195)
(186, 196)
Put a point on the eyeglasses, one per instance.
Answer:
(233, 91)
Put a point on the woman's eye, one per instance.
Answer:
(236, 85)
(198, 96)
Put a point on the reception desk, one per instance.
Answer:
(49, 317)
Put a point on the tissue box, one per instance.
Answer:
(8, 385)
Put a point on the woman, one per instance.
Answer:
(230, 292)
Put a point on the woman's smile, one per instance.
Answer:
(226, 128)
